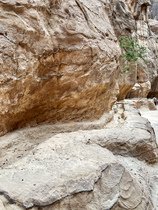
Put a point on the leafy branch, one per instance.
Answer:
(132, 51)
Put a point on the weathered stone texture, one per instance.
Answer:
(76, 171)
(59, 62)
(154, 9)
(154, 26)
(154, 90)
(130, 18)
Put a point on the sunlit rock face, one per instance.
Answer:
(59, 62)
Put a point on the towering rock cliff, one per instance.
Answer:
(60, 68)
(60, 62)
(130, 18)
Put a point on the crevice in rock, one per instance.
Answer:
(79, 4)
(1, 34)
(7, 197)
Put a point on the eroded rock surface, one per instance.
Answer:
(59, 62)
(68, 171)
(154, 26)
(154, 89)
(154, 9)
(74, 170)
(130, 18)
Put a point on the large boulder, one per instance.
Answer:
(69, 171)
(74, 170)
(59, 62)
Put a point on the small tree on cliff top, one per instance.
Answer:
(131, 52)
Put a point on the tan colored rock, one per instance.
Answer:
(140, 90)
(145, 104)
(130, 18)
(142, 86)
(154, 89)
(149, 70)
(59, 62)
(126, 82)
(122, 17)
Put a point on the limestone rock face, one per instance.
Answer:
(146, 72)
(87, 173)
(154, 26)
(154, 9)
(126, 83)
(139, 90)
(130, 18)
(154, 90)
(75, 170)
(59, 62)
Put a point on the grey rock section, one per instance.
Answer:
(154, 9)
(152, 116)
(145, 174)
(154, 26)
(57, 168)
(131, 135)
(74, 171)
(62, 168)
(129, 194)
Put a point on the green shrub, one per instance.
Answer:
(131, 52)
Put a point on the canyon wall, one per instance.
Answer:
(76, 147)
(131, 19)
(60, 61)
